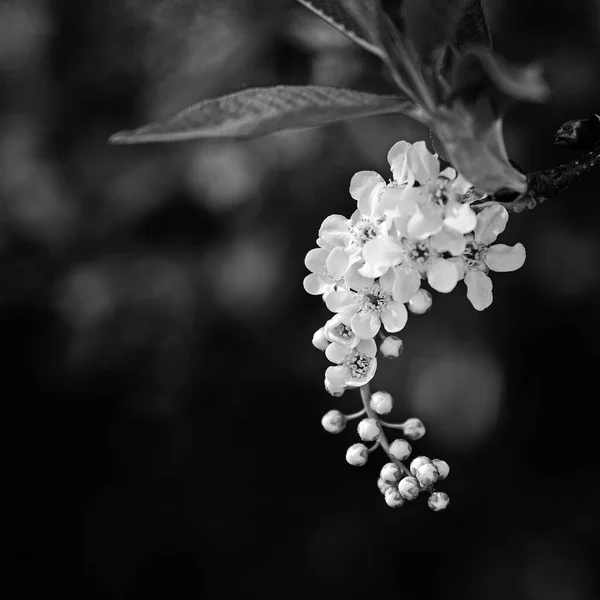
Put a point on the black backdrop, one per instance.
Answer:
(162, 396)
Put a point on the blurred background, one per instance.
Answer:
(163, 399)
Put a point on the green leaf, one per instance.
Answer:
(431, 24)
(260, 111)
(353, 18)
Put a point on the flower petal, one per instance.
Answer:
(399, 201)
(334, 231)
(365, 325)
(479, 289)
(459, 263)
(336, 376)
(503, 258)
(367, 347)
(461, 185)
(337, 353)
(491, 222)
(337, 262)
(394, 316)
(354, 280)
(460, 218)
(423, 164)
(397, 157)
(442, 275)
(381, 254)
(448, 240)
(425, 222)
(341, 300)
(316, 284)
(406, 284)
(364, 188)
(315, 260)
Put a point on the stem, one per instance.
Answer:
(392, 425)
(355, 415)
(365, 394)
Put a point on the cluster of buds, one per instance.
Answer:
(396, 482)
(369, 269)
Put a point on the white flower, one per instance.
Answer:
(382, 485)
(442, 466)
(355, 366)
(338, 330)
(333, 421)
(427, 474)
(357, 455)
(479, 257)
(391, 347)
(368, 309)
(438, 501)
(400, 449)
(420, 303)
(390, 473)
(417, 463)
(413, 429)
(393, 498)
(368, 430)
(381, 402)
(409, 488)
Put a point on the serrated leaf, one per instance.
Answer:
(431, 24)
(260, 111)
(350, 17)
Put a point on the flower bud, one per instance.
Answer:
(420, 303)
(382, 485)
(391, 347)
(393, 497)
(427, 474)
(390, 473)
(333, 421)
(357, 455)
(320, 342)
(333, 390)
(368, 430)
(438, 501)
(409, 488)
(414, 429)
(381, 403)
(400, 449)
(417, 463)
(442, 466)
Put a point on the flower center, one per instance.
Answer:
(374, 300)
(474, 254)
(417, 253)
(342, 331)
(358, 365)
(363, 231)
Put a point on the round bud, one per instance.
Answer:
(381, 403)
(393, 497)
(400, 449)
(390, 473)
(417, 463)
(420, 303)
(368, 430)
(438, 501)
(333, 421)
(333, 390)
(427, 474)
(382, 485)
(391, 347)
(414, 429)
(409, 488)
(320, 342)
(357, 455)
(442, 466)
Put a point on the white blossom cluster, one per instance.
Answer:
(370, 268)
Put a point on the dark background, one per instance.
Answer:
(162, 397)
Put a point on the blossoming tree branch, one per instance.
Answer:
(425, 223)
